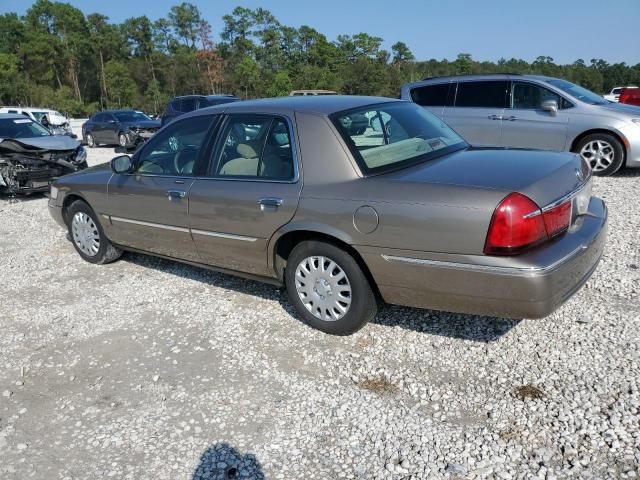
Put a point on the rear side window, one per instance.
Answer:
(434, 95)
(487, 94)
(188, 105)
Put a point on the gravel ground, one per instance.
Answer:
(151, 369)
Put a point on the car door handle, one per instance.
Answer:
(511, 118)
(494, 117)
(176, 195)
(269, 203)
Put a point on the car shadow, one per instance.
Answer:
(22, 198)
(466, 327)
(223, 462)
(627, 172)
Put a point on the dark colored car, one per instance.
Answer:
(188, 103)
(31, 157)
(287, 191)
(630, 96)
(126, 128)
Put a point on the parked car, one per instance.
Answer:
(530, 111)
(30, 156)
(297, 93)
(188, 103)
(53, 120)
(126, 128)
(630, 96)
(613, 95)
(282, 191)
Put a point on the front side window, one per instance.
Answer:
(440, 95)
(392, 135)
(528, 96)
(21, 128)
(174, 150)
(485, 94)
(255, 146)
(99, 117)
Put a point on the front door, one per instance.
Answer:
(252, 189)
(148, 209)
(478, 110)
(526, 125)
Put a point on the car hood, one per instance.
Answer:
(143, 124)
(632, 110)
(51, 143)
(542, 176)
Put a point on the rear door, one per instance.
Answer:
(526, 125)
(148, 209)
(98, 126)
(251, 189)
(478, 110)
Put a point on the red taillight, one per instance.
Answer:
(557, 219)
(519, 224)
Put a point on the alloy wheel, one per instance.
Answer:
(323, 288)
(599, 153)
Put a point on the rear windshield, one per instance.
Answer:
(576, 91)
(131, 116)
(21, 128)
(393, 135)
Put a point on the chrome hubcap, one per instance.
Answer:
(323, 287)
(85, 234)
(599, 153)
(90, 140)
(123, 140)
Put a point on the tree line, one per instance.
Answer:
(56, 56)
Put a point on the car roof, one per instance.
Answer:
(7, 116)
(319, 104)
(484, 76)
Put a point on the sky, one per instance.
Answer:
(487, 29)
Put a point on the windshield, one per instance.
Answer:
(390, 135)
(576, 91)
(21, 128)
(131, 116)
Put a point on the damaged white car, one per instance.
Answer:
(31, 157)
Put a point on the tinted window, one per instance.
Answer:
(21, 128)
(528, 96)
(99, 117)
(209, 102)
(255, 147)
(175, 105)
(489, 94)
(174, 150)
(434, 95)
(391, 135)
(188, 104)
(131, 116)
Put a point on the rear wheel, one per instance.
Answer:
(87, 236)
(328, 288)
(603, 152)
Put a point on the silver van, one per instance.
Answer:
(531, 111)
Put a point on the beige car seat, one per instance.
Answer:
(245, 165)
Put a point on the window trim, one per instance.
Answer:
(450, 95)
(507, 96)
(513, 82)
(205, 147)
(217, 143)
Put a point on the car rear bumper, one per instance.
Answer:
(527, 286)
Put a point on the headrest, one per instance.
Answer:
(246, 151)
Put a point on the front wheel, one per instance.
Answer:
(328, 288)
(603, 152)
(123, 140)
(87, 236)
(91, 142)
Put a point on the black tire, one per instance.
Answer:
(91, 141)
(363, 305)
(618, 153)
(106, 252)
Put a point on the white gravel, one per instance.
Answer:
(148, 369)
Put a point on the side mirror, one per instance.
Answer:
(121, 164)
(550, 106)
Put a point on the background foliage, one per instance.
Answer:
(56, 56)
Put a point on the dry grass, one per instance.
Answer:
(528, 391)
(378, 385)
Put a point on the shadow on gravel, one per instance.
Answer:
(455, 325)
(627, 172)
(22, 198)
(223, 462)
(465, 327)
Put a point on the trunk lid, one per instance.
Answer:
(542, 176)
